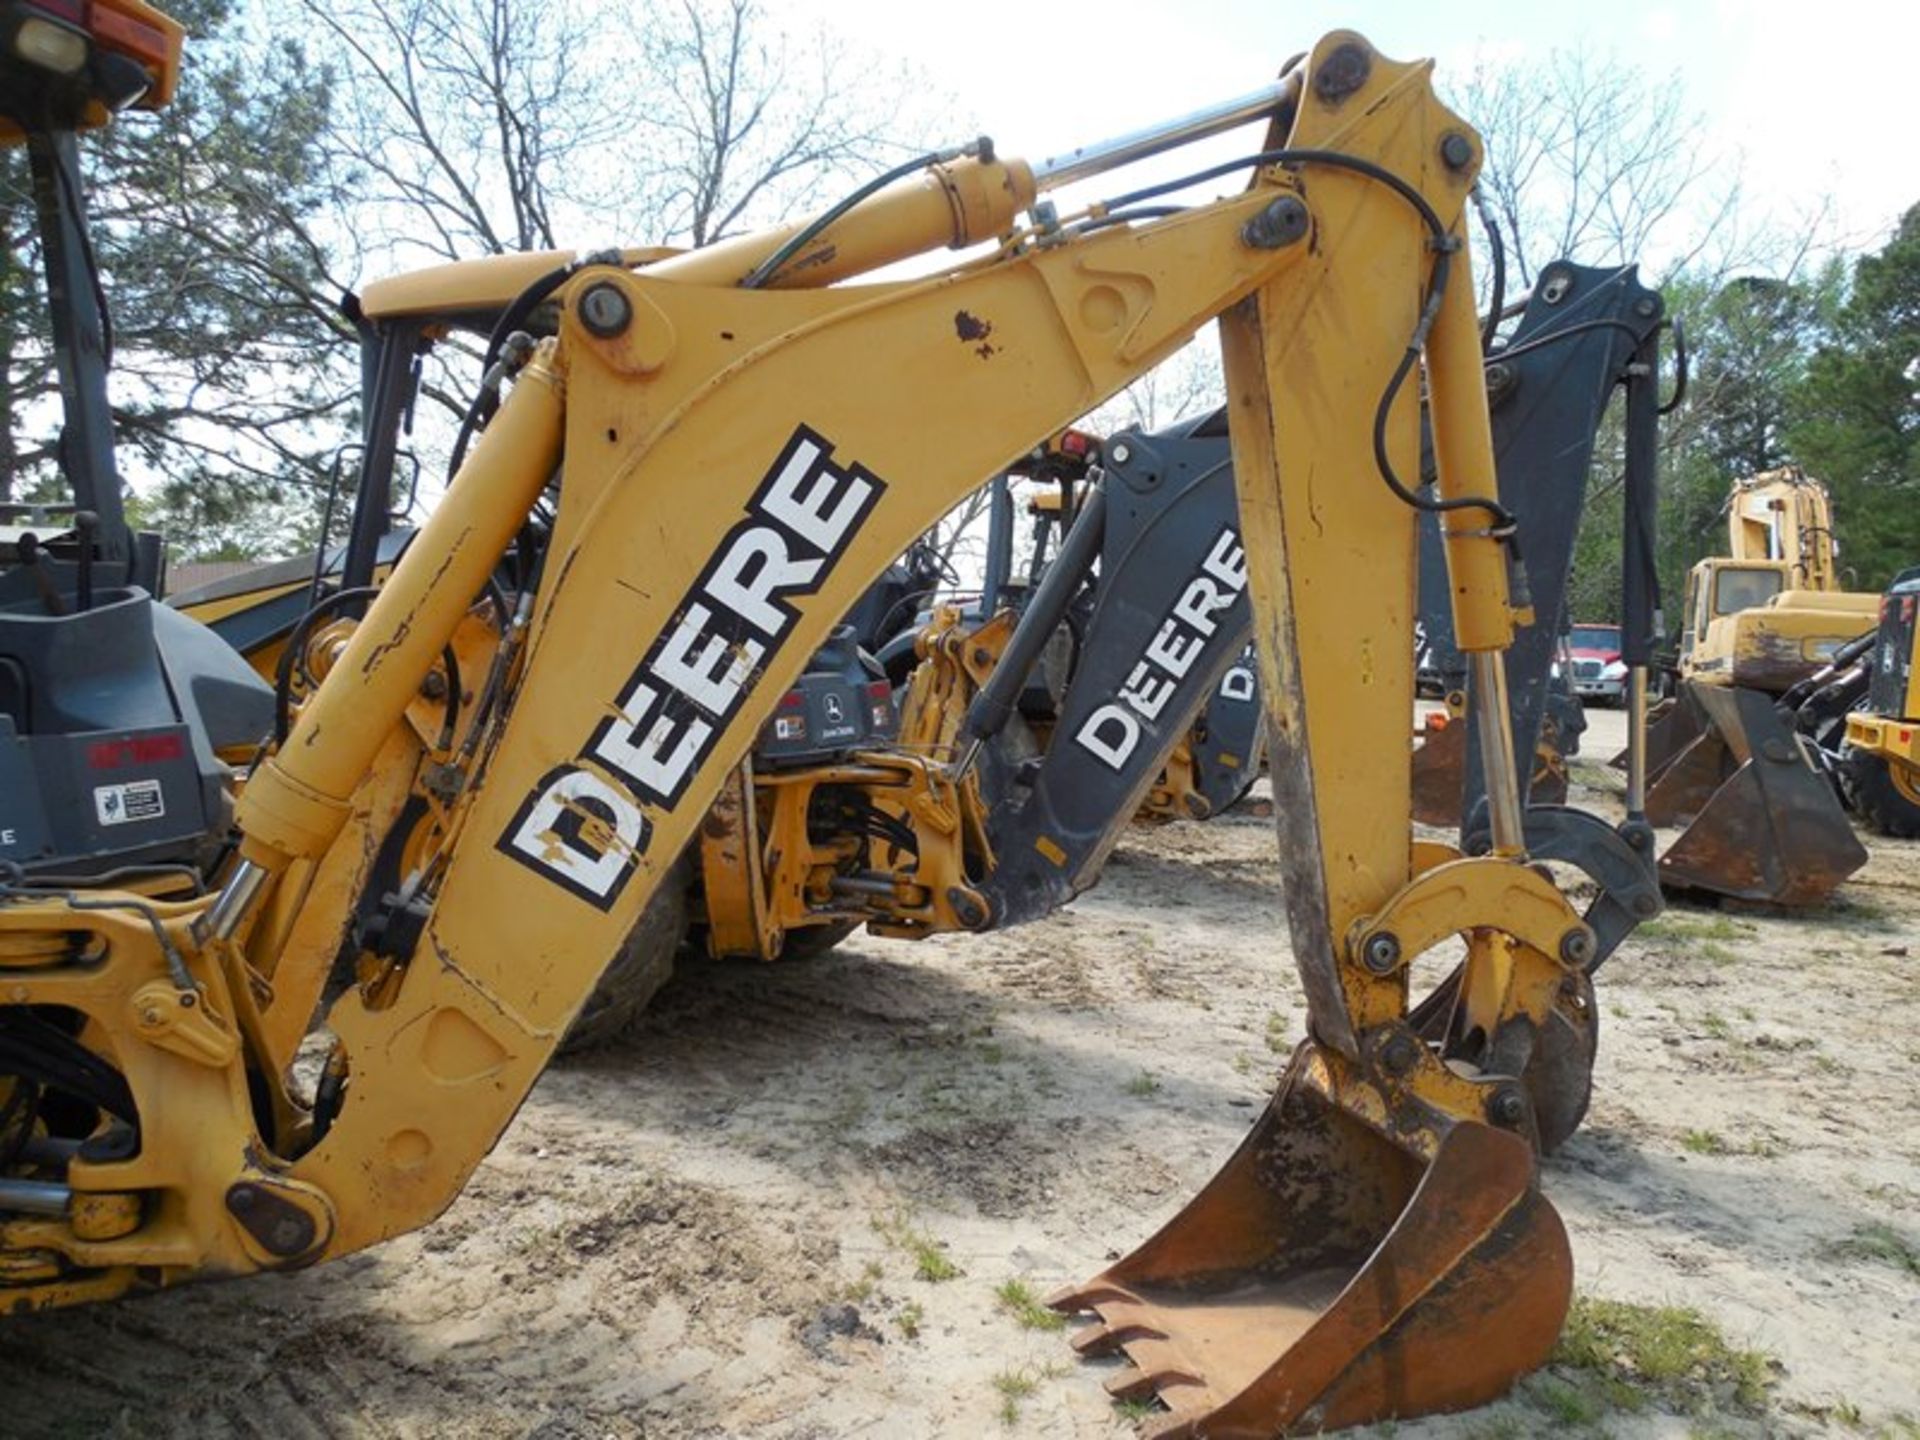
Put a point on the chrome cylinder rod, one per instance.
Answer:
(35, 1197)
(230, 906)
(1637, 743)
(1103, 155)
(1496, 751)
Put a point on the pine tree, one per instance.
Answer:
(1856, 413)
(231, 384)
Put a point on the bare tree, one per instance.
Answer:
(463, 122)
(1589, 159)
(486, 126)
(1188, 383)
(745, 120)
(224, 335)
(475, 127)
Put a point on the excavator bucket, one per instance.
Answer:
(1329, 1276)
(1761, 822)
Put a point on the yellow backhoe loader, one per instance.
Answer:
(710, 460)
(1860, 716)
(1762, 823)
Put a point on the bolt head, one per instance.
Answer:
(1120, 453)
(1284, 222)
(605, 310)
(1400, 1055)
(1456, 151)
(1381, 953)
(1341, 73)
(1508, 1108)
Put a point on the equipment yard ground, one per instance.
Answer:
(795, 1201)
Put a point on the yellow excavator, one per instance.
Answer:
(1761, 821)
(260, 1018)
(1771, 611)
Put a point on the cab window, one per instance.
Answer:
(1735, 590)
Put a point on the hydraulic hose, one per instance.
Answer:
(987, 716)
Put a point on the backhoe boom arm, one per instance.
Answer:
(740, 450)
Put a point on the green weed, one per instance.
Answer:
(1017, 1300)
(1671, 1352)
(930, 1259)
(1881, 1243)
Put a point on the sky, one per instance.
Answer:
(1044, 75)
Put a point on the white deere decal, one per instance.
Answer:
(1111, 732)
(584, 825)
(1239, 685)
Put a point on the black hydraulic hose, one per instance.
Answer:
(1443, 245)
(1127, 217)
(294, 654)
(769, 269)
(1681, 368)
(512, 318)
(1566, 332)
(993, 706)
(1497, 243)
(515, 317)
(296, 646)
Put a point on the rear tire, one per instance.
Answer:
(643, 964)
(1876, 797)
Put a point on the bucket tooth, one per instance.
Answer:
(1137, 1382)
(1772, 831)
(1329, 1276)
(1104, 1339)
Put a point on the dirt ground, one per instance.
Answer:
(730, 1224)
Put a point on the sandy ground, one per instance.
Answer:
(714, 1228)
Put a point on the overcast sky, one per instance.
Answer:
(1817, 98)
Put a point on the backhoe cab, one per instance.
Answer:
(117, 717)
(465, 814)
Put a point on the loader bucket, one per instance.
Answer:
(1689, 779)
(1328, 1276)
(1771, 830)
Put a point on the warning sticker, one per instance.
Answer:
(126, 804)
